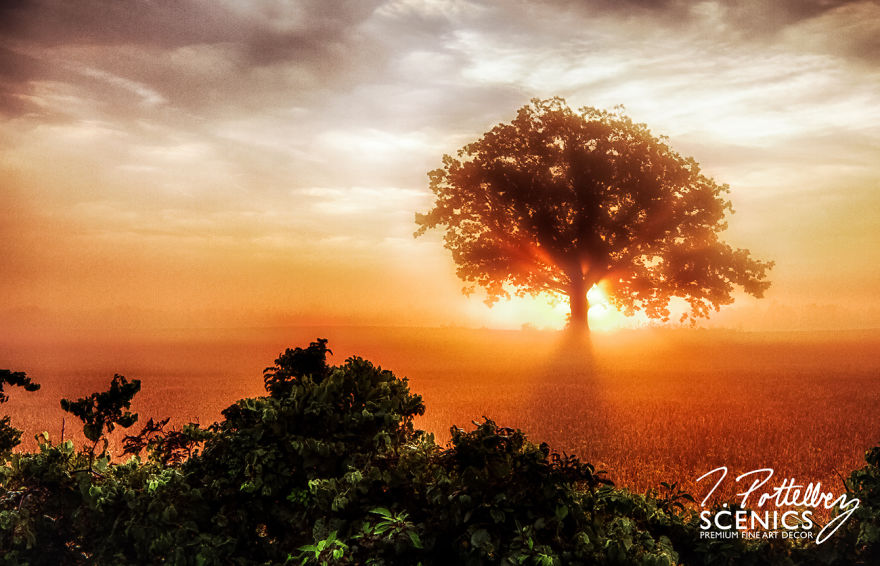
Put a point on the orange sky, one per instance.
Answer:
(251, 164)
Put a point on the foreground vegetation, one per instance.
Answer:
(327, 468)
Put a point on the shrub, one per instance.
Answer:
(328, 469)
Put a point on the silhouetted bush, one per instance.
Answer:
(10, 437)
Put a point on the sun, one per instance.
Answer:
(549, 312)
(596, 296)
(602, 315)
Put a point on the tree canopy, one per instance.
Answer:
(558, 200)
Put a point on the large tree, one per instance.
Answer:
(557, 201)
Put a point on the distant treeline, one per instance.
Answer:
(327, 468)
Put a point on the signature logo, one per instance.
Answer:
(781, 510)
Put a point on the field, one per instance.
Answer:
(647, 406)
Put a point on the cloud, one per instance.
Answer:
(193, 55)
(851, 31)
(269, 29)
(748, 18)
(775, 16)
(165, 137)
(16, 73)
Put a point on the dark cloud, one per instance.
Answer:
(792, 11)
(168, 24)
(624, 6)
(16, 73)
(191, 53)
(851, 32)
(218, 59)
(763, 16)
(746, 18)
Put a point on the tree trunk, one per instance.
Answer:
(580, 307)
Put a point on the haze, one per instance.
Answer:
(239, 164)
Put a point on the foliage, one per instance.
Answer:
(273, 457)
(15, 378)
(332, 471)
(167, 447)
(297, 364)
(327, 551)
(556, 201)
(858, 541)
(10, 437)
(102, 412)
(865, 484)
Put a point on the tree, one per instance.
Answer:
(557, 201)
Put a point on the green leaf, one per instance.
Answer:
(480, 538)
(561, 512)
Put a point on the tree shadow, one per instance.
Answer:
(574, 352)
(569, 399)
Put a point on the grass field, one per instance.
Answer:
(647, 406)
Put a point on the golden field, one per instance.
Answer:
(647, 405)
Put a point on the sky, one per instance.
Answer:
(243, 164)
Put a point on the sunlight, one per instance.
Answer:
(596, 296)
(520, 312)
(603, 316)
(546, 313)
